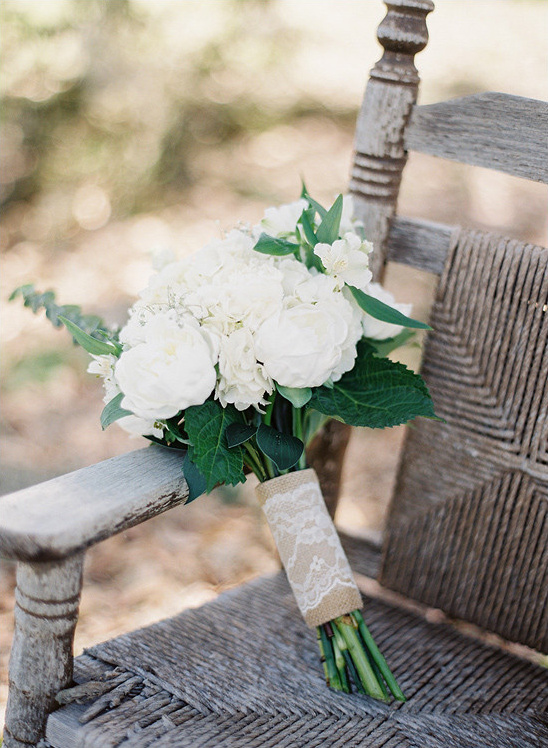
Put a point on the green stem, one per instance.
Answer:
(340, 665)
(297, 417)
(322, 654)
(355, 648)
(334, 680)
(254, 462)
(377, 657)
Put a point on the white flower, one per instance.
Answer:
(243, 381)
(171, 370)
(374, 328)
(348, 222)
(302, 345)
(282, 221)
(135, 426)
(347, 260)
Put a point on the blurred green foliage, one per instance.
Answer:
(112, 102)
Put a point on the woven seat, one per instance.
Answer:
(187, 693)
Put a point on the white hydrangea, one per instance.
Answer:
(375, 328)
(347, 260)
(242, 380)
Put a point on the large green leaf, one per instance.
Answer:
(308, 227)
(206, 425)
(113, 411)
(239, 433)
(384, 312)
(377, 393)
(283, 449)
(91, 345)
(328, 230)
(269, 245)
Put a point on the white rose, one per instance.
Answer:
(302, 345)
(172, 370)
(346, 260)
(375, 328)
(243, 381)
(282, 221)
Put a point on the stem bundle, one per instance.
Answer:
(349, 655)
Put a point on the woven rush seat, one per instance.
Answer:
(260, 683)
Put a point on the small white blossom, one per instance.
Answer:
(346, 260)
(282, 221)
(375, 328)
(348, 222)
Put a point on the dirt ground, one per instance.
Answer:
(49, 420)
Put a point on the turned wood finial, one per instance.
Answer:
(402, 33)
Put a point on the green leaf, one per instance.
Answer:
(91, 345)
(269, 245)
(196, 482)
(384, 312)
(308, 227)
(238, 433)
(377, 393)
(384, 347)
(113, 411)
(328, 230)
(206, 425)
(296, 396)
(313, 203)
(283, 449)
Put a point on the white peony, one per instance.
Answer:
(171, 370)
(303, 345)
(346, 260)
(242, 381)
(375, 328)
(282, 221)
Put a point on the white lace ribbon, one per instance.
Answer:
(311, 552)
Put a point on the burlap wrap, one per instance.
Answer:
(311, 552)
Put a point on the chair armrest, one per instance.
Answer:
(63, 516)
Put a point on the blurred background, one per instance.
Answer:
(133, 125)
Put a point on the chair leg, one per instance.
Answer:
(46, 610)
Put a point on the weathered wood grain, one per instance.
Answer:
(422, 244)
(67, 514)
(390, 94)
(494, 130)
(46, 611)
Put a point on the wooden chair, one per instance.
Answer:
(468, 527)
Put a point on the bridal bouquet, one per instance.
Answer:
(238, 355)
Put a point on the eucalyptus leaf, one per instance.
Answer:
(283, 449)
(196, 482)
(376, 393)
(328, 230)
(206, 425)
(269, 245)
(296, 396)
(239, 433)
(113, 411)
(384, 312)
(91, 345)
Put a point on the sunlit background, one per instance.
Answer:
(131, 125)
